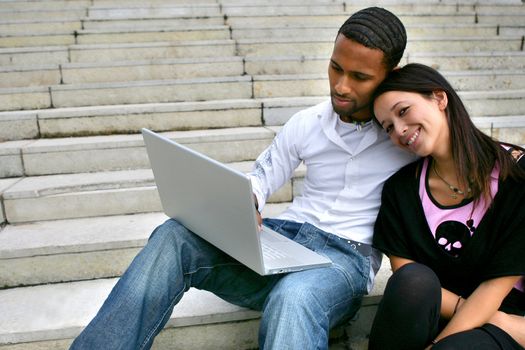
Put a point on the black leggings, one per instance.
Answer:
(408, 317)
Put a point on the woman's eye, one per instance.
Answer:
(402, 111)
(388, 129)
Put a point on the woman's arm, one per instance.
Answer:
(480, 306)
(514, 325)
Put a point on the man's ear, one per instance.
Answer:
(442, 99)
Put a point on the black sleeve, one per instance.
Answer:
(508, 231)
(390, 231)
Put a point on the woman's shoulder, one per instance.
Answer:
(407, 173)
(404, 181)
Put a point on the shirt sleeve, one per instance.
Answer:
(508, 258)
(276, 164)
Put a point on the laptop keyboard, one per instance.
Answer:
(271, 253)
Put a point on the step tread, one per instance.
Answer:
(69, 184)
(87, 234)
(135, 140)
(251, 30)
(68, 307)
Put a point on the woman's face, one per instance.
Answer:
(415, 122)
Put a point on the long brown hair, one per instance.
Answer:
(474, 153)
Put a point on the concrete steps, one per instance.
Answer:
(74, 304)
(118, 119)
(77, 249)
(53, 197)
(251, 47)
(96, 120)
(83, 245)
(109, 189)
(52, 75)
(79, 73)
(217, 88)
(80, 78)
(118, 152)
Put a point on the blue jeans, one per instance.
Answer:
(298, 309)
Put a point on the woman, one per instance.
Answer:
(452, 224)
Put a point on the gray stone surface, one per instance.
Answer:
(11, 158)
(99, 120)
(29, 76)
(24, 98)
(4, 185)
(145, 51)
(33, 55)
(119, 152)
(154, 91)
(18, 125)
(472, 60)
(75, 73)
(93, 194)
(115, 66)
(69, 306)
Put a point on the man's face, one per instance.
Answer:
(354, 73)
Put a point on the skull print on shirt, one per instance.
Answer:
(452, 236)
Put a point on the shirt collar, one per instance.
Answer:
(329, 118)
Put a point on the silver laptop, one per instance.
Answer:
(216, 202)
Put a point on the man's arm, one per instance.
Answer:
(275, 165)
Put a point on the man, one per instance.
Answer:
(347, 158)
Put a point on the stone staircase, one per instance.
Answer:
(79, 78)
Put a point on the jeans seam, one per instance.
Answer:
(212, 267)
(365, 274)
(156, 326)
(173, 302)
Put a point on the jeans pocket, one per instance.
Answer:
(304, 235)
(286, 228)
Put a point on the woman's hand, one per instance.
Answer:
(512, 324)
(481, 306)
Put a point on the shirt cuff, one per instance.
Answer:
(261, 200)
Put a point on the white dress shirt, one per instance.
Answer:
(346, 166)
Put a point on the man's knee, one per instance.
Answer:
(169, 233)
(295, 298)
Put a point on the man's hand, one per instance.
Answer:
(257, 214)
(259, 219)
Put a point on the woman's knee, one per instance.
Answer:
(412, 292)
(412, 280)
